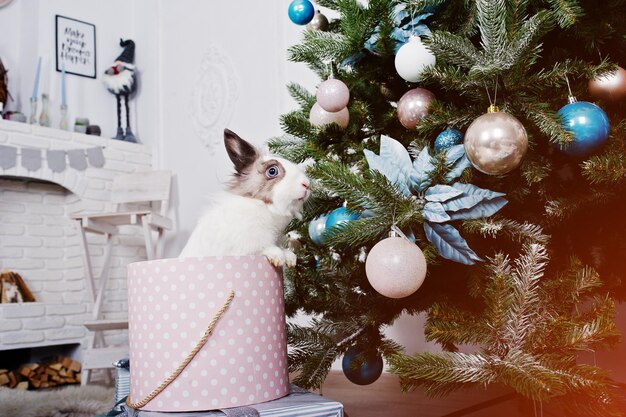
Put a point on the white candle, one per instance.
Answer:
(63, 97)
(36, 87)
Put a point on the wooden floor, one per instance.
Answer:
(384, 398)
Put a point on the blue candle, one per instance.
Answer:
(36, 87)
(63, 98)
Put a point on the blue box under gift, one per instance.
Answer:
(297, 404)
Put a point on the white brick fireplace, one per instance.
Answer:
(41, 243)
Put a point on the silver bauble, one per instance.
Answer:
(319, 22)
(495, 143)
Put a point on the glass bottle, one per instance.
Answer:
(44, 117)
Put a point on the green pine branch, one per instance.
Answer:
(454, 49)
(449, 326)
(302, 96)
(492, 26)
(437, 371)
(496, 227)
(319, 46)
(605, 169)
(567, 12)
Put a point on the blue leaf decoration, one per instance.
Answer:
(454, 153)
(461, 165)
(393, 162)
(419, 179)
(472, 196)
(434, 212)
(441, 193)
(472, 189)
(463, 202)
(485, 208)
(449, 243)
(352, 60)
(407, 26)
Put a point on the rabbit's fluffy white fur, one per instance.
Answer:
(250, 217)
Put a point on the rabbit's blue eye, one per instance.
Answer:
(272, 172)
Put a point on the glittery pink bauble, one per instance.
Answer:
(333, 95)
(320, 117)
(413, 106)
(395, 267)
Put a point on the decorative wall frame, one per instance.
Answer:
(75, 46)
(214, 96)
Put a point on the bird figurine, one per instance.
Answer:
(121, 79)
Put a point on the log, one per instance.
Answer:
(12, 380)
(56, 366)
(22, 385)
(76, 366)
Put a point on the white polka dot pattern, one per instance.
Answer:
(172, 301)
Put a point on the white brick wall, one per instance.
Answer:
(40, 242)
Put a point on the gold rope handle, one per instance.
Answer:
(187, 360)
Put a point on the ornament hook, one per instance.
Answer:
(570, 97)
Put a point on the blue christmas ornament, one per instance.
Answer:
(340, 216)
(589, 124)
(317, 227)
(301, 11)
(359, 368)
(447, 139)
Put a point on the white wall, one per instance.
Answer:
(27, 32)
(225, 62)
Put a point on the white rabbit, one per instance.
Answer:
(249, 218)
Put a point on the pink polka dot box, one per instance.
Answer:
(213, 327)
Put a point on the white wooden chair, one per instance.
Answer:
(139, 199)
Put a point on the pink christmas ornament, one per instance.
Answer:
(413, 106)
(333, 95)
(610, 87)
(320, 117)
(395, 267)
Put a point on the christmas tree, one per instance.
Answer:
(517, 224)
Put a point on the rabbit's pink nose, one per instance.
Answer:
(306, 185)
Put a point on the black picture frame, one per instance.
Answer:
(75, 43)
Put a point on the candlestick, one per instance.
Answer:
(44, 117)
(63, 96)
(63, 124)
(36, 86)
(33, 111)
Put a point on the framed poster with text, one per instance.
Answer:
(75, 46)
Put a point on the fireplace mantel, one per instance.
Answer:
(38, 240)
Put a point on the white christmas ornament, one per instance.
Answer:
(395, 267)
(412, 58)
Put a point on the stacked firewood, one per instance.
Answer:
(60, 371)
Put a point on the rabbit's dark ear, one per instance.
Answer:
(242, 153)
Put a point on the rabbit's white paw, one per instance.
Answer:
(290, 258)
(275, 255)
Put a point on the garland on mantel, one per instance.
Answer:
(57, 160)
